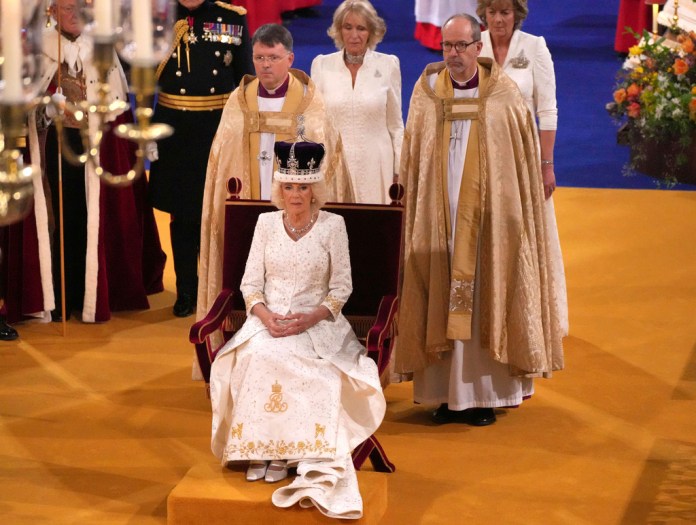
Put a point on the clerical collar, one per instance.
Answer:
(278, 92)
(472, 83)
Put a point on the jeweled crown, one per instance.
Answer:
(299, 162)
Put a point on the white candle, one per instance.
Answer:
(141, 12)
(104, 17)
(11, 30)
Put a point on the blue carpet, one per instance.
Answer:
(580, 36)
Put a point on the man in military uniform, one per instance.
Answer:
(210, 55)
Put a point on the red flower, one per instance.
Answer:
(619, 95)
(633, 110)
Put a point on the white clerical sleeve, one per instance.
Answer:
(252, 285)
(340, 281)
(545, 87)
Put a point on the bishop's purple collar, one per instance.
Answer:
(278, 92)
(472, 83)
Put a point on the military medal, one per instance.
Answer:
(223, 33)
(192, 38)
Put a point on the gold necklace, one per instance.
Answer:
(298, 232)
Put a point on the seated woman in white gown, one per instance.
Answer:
(294, 387)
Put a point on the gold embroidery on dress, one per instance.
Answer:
(461, 296)
(253, 298)
(236, 432)
(319, 430)
(280, 449)
(275, 402)
(334, 304)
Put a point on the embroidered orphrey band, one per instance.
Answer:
(461, 296)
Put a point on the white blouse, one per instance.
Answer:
(529, 64)
(367, 116)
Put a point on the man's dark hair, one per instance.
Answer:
(272, 34)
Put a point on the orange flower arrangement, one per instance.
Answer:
(680, 66)
(655, 95)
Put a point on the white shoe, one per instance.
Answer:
(256, 470)
(277, 471)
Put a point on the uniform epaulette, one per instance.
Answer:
(237, 9)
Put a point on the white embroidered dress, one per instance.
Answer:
(368, 118)
(310, 398)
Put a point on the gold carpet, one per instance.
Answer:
(101, 425)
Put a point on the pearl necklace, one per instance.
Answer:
(298, 232)
(353, 59)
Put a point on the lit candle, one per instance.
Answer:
(11, 30)
(104, 17)
(142, 29)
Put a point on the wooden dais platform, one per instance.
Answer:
(211, 494)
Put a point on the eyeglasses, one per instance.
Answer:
(459, 47)
(272, 59)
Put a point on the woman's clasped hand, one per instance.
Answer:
(291, 324)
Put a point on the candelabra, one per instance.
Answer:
(140, 30)
(675, 18)
(16, 179)
(142, 34)
(20, 46)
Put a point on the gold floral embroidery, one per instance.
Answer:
(334, 304)
(253, 298)
(275, 401)
(236, 432)
(319, 430)
(280, 449)
(461, 296)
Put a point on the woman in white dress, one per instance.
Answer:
(294, 387)
(527, 60)
(362, 91)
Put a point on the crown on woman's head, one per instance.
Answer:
(299, 162)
